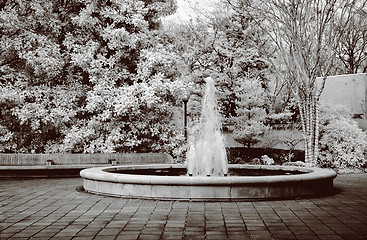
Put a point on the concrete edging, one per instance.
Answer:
(313, 181)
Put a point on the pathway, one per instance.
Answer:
(54, 209)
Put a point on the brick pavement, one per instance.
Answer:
(54, 209)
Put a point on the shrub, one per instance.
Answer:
(343, 145)
(266, 160)
(249, 133)
(289, 139)
(297, 163)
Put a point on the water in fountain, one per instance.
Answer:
(207, 155)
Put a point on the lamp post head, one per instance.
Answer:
(186, 96)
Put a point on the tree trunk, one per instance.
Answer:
(308, 107)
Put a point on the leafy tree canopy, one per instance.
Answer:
(71, 76)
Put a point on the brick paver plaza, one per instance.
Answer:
(54, 209)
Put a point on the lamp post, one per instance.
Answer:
(185, 99)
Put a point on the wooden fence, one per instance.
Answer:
(81, 159)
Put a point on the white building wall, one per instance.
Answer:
(349, 91)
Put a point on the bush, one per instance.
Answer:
(290, 139)
(297, 164)
(243, 155)
(343, 145)
(266, 160)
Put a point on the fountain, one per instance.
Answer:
(207, 155)
(206, 174)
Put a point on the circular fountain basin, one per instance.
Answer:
(169, 181)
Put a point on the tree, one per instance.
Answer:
(352, 47)
(70, 71)
(37, 104)
(250, 120)
(229, 47)
(303, 33)
(126, 111)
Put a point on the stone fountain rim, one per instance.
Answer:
(103, 174)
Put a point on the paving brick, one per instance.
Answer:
(329, 237)
(61, 238)
(109, 232)
(239, 236)
(23, 234)
(281, 236)
(81, 238)
(98, 237)
(53, 209)
(261, 236)
(306, 236)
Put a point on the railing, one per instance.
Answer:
(81, 159)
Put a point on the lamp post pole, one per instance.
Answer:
(185, 117)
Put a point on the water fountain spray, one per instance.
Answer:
(206, 155)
